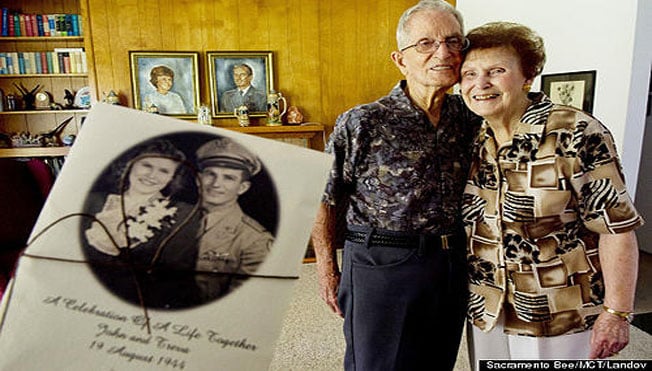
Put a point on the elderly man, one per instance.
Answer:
(244, 93)
(396, 183)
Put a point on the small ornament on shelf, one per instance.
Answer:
(204, 115)
(111, 98)
(43, 100)
(69, 99)
(295, 117)
(242, 114)
(29, 96)
(274, 112)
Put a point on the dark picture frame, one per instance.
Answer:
(145, 65)
(220, 65)
(575, 89)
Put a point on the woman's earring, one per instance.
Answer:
(527, 87)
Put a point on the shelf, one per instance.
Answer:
(303, 128)
(40, 75)
(34, 152)
(43, 112)
(41, 38)
(310, 135)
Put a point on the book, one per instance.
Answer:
(32, 19)
(46, 25)
(18, 27)
(5, 22)
(61, 25)
(10, 63)
(29, 62)
(52, 25)
(14, 62)
(75, 24)
(44, 62)
(11, 26)
(68, 22)
(79, 25)
(21, 63)
(84, 63)
(48, 61)
(38, 67)
(39, 25)
(26, 24)
(56, 67)
(62, 66)
(66, 62)
(3, 63)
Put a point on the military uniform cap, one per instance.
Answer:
(224, 152)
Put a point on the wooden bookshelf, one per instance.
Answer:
(42, 121)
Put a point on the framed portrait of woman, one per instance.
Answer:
(238, 78)
(165, 82)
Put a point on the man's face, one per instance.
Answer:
(222, 186)
(438, 69)
(241, 77)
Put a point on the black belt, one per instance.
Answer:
(441, 241)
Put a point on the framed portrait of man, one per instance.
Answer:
(165, 82)
(239, 78)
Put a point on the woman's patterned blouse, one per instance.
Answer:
(533, 210)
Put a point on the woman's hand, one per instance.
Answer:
(610, 335)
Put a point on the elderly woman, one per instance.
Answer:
(552, 254)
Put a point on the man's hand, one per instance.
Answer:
(324, 242)
(610, 335)
(329, 283)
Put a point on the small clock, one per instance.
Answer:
(43, 100)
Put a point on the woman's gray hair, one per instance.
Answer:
(438, 5)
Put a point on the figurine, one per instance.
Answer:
(29, 96)
(294, 115)
(51, 138)
(111, 98)
(69, 98)
(204, 115)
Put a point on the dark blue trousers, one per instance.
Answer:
(404, 308)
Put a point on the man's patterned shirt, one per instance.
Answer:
(396, 170)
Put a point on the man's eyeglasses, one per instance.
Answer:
(426, 46)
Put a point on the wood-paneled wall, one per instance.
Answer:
(329, 55)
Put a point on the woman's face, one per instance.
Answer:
(150, 175)
(492, 82)
(164, 83)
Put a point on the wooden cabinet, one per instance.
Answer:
(54, 84)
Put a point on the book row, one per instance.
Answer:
(61, 60)
(46, 25)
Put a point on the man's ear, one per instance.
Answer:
(244, 187)
(397, 58)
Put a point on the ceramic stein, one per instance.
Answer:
(274, 112)
(242, 114)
